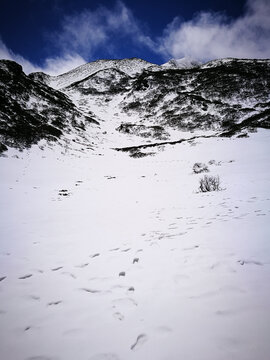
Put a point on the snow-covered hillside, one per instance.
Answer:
(134, 100)
(115, 257)
(184, 63)
(108, 250)
(131, 67)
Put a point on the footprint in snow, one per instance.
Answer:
(91, 291)
(63, 193)
(25, 276)
(3, 278)
(243, 262)
(94, 255)
(191, 248)
(54, 303)
(135, 260)
(69, 274)
(57, 268)
(225, 312)
(118, 316)
(164, 330)
(82, 265)
(78, 183)
(215, 265)
(141, 339)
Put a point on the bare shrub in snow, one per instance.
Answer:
(199, 168)
(209, 183)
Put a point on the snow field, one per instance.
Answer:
(106, 257)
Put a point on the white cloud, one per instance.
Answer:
(83, 35)
(214, 35)
(88, 32)
(61, 64)
(52, 66)
(6, 53)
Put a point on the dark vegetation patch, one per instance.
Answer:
(229, 97)
(209, 183)
(261, 120)
(210, 98)
(107, 82)
(31, 111)
(138, 148)
(157, 131)
(137, 154)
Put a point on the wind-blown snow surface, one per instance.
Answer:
(111, 257)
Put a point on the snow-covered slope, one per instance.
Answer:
(108, 250)
(183, 63)
(227, 97)
(131, 67)
(120, 258)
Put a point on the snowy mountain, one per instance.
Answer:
(109, 248)
(134, 97)
(183, 63)
(130, 67)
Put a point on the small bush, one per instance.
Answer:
(209, 183)
(200, 168)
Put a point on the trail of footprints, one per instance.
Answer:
(119, 305)
(223, 211)
(61, 270)
(189, 221)
(63, 193)
(122, 305)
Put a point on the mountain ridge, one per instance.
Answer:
(130, 65)
(132, 100)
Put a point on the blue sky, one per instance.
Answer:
(57, 35)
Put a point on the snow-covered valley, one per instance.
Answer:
(108, 257)
(108, 250)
